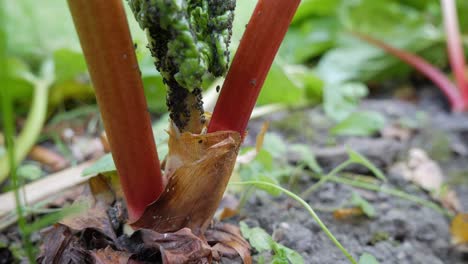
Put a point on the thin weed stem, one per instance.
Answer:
(308, 208)
(394, 192)
(325, 178)
(8, 126)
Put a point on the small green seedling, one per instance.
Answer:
(367, 258)
(366, 207)
(261, 241)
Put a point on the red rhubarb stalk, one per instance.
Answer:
(105, 39)
(455, 48)
(423, 66)
(258, 47)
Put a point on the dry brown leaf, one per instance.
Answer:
(227, 208)
(49, 158)
(459, 229)
(99, 197)
(110, 256)
(92, 238)
(198, 168)
(346, 213)
(95, 218)
(228, 241)
(179, 247)
(62, 246)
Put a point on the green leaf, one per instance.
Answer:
(367, 208)
(309, 39)
(341, 99)
(103, 165)
(155, 92)
(277, 82)
(71, 77)
(265, 158)
(263, 242)
(275, 145)
(307, 157)
(69, 65)
(38, 28)
(367, 259)
(18, 73)
(287, 253)
(390, 19)
(309, 8)
(360, 124)
(279, 260)
(355, 157)
(258, 238)
(29, 171)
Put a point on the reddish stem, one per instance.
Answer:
(421, 65)
(258, 47)
(108, 49)
(455, 48)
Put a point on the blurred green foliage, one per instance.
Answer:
(319, 60)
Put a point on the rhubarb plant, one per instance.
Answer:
(189, 40)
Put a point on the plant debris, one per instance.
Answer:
(426, 173)
(459, 229)
(198, 168)
(98, 236)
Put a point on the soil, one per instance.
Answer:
(402, 231)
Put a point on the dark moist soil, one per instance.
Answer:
(402, 231)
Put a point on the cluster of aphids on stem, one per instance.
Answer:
(189, 40)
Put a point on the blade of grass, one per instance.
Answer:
(32, 128)
(325, 178)
(455, 48)
(308, 208)
(387, 190)
(106, 42)
(421, 65)
(9, 132)
(258, 47)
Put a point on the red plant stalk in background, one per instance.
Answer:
(455, 48)
(430, 71)
(456, 94)
(258, 47)
(105, 38)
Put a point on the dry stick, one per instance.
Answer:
(105, 38)
(258, 47)
(455, 48)
(41, 189)
(421, 65)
